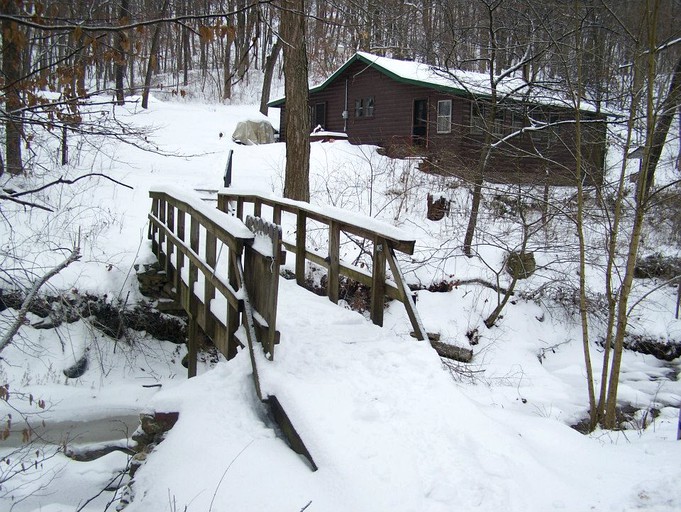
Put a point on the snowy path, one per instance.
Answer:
(388, 428)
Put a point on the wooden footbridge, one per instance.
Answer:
(224, 265)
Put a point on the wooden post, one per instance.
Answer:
(240, 208)
(170, 270)
(180, 255)
(208, 288)
(257, 207)
(276, 214)
(333, 276)
(223, 203)
(301, 227)
(405, 292)
(192, 346)
(232, 313)
(153, 229)
(191, 306)
(161, 232)
(378, 281)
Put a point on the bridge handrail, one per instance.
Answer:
(350, 222)
(386, 239)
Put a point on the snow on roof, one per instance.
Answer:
(457, 82)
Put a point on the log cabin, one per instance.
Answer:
(448, 117)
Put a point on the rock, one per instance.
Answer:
(158, 423)
(79, 368)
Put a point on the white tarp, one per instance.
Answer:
(253, 131)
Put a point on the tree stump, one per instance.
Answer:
(437, 209)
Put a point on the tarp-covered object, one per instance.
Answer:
(253, 131)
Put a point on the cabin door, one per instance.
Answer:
(420, 124)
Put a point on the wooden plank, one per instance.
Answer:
(192, 346)
(301, 234)
(405, 246)
(257, 207)
(224, 288)
(209, 289)
(333, 275)
(240, 208)
(261, 275)
(232, 310)
(347, 270)
(193, 268)
(406, 296)
(248, 325)
(223, 203)
(170, 269)
(209, 225)
(378, 282)
(290, 433)
(181, 219)
(162, 232)
(276, 214)
(153, 229)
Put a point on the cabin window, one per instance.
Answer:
(369, 110)
(444, 116)
(359, 107)
(364, 107)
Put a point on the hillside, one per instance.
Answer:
(393, 428)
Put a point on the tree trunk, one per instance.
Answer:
(297, 179)
(473, 218)
(152, 57)
(11, 69)
(122, 44)
(657, 133)
(267, 79)
(664, 120)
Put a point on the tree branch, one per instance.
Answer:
(21, 316)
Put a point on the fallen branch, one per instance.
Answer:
(30, 297)
(477, 280)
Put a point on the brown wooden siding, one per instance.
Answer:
(523, 159)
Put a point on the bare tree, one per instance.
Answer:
(297, 120)
(13, 42)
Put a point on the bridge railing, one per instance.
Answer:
(189, 238)
(385, 241)
(192, 242)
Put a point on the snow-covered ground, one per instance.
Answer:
(389, 426)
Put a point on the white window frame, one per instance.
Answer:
(444, 121)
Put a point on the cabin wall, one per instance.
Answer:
(532, 158)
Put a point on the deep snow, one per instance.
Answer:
(389, 426)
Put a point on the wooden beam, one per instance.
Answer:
(347, 270)
(301, 235)
(378, 281)
(224, 288)
(170, 269)
(406, 296)
(209, 289)
(192, 346)
(333, 275)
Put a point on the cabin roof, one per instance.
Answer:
(456, 82)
